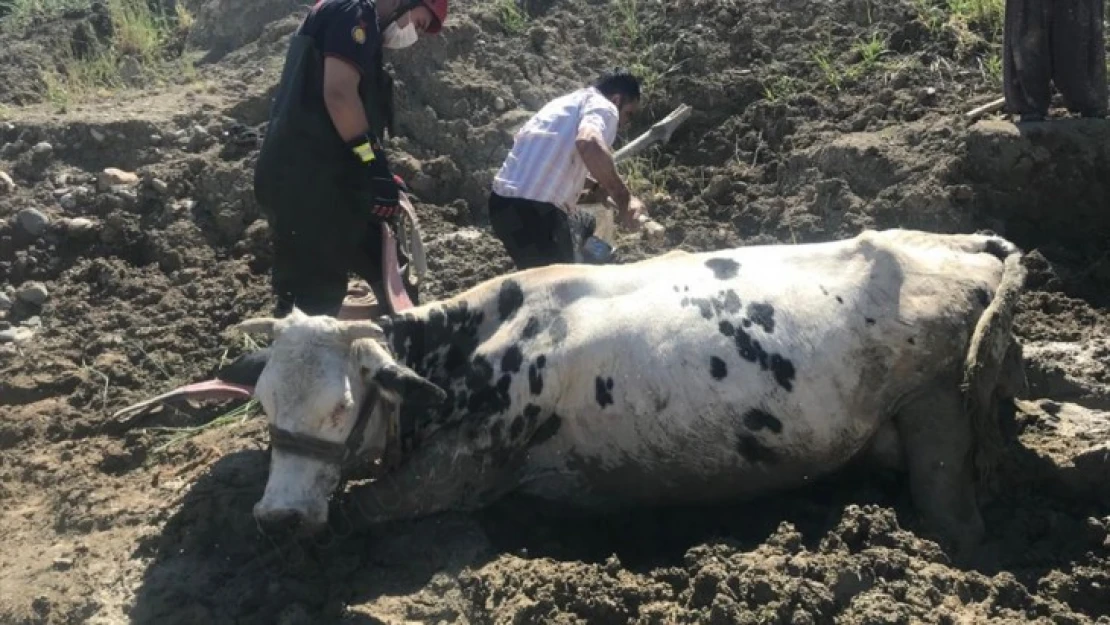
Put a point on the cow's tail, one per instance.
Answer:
(987, 356)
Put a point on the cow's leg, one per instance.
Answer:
(937, 440)
(446, 473)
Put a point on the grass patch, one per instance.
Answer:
(509, 15)
(236, 416)
(643, 175)
(781, 88)
(142, 47)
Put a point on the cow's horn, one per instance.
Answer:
(362, 329)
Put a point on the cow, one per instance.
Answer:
(680, 379)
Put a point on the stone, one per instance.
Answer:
(63, 564)
(654, 231)
(7, 185)
(113, 177)
(68, 201)
(33, 293)
(5, 301)
(79, 225)
(42, 148)
(159, 185)
(15, 335)
(33, 221)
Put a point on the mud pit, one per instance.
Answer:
(109, 522)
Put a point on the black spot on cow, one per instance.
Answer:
(869, 321)
(747, 323)
(717, 368)
(763, 315)
(784, 372)
(531, 411)
(753, 451)
(517, 428)
(677, 288)
(603, 388)
(750, 350)
(535, 379)
(510, 299)
(512, 360)
(541, 361)
(723, 268)
(982, 296)
(704, 306)
(546, 430)
(911, 341)
(756, 420)
(486, 397)
(839, 299)
(532, 328)
(730, 302)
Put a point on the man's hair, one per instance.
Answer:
(619, 81)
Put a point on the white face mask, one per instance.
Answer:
(397, 38)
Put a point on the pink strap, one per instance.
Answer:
(394, 286)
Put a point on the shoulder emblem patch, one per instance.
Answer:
(358, 34)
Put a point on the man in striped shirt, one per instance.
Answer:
(532, 206)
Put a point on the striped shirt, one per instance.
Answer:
(544, 164)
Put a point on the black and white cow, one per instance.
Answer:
(679, 379)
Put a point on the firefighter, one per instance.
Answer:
(322, 178)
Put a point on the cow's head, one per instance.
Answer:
(332, 392)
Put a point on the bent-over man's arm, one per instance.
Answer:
(597, 156)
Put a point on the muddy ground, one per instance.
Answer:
(116, 289)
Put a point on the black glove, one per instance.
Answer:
(381, 183)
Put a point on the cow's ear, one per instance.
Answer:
(409, 387)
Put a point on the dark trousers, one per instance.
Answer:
(1059, 41)
(317, 243)
(536, 234)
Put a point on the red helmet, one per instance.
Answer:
(438, 8)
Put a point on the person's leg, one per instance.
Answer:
(1079, 56)
(523, 229)
(1026, 58)
(309, 270)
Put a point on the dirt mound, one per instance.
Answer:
(130, 239)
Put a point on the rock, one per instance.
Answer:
(79, 226)
(63, 564)
(41, 149)
(654, 231)
(499, 104)
(159, 185)
(33, 293)
(7, 185)
(15, 335)
(112, 177)
(33, 221)
(5, 301)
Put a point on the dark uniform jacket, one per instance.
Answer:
(301, 146)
